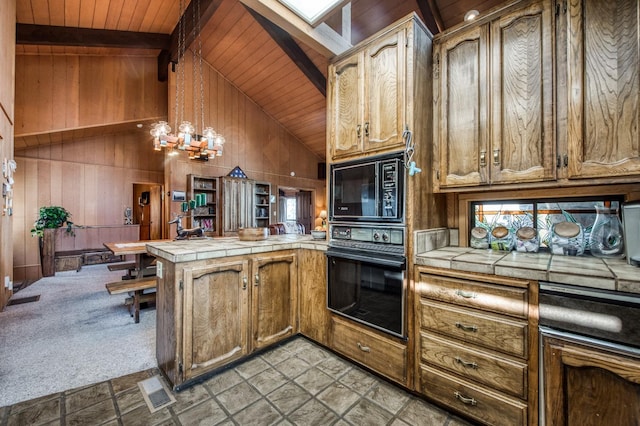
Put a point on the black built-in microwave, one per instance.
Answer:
(368, 190)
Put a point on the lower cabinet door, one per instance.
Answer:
(480, 403)
(215, 316)
(274, 298)
(587, 384)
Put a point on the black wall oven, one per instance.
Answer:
(366, 273)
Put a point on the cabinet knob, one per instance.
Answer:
(359, 131)
(483, 158)
(466, 363)
(466, 294)
(465, 327)
(363, 348)
(244, 283)
(366, 129)
(496, 157)
(465, 399)
(257, 279)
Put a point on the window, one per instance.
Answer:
(539, 214)
(290, 206)
(312, 11)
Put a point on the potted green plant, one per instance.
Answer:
(51, 217)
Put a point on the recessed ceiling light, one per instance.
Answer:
(471, 15)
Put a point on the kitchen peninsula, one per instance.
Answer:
(221, 299)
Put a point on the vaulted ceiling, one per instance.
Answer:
(281, 74)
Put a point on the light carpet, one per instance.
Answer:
(75, 335)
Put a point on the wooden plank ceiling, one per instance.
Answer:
(237, 45)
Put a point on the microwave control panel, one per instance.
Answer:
(390, 190)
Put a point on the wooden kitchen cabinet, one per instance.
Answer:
(274, 294)
(493, 115)
(589, 385)
(477, 345)
(603, 88)
(205, 216)
(237, 204)
(315, 320)
(370, 90)
(214, 317)
(212, 312)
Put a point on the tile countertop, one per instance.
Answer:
(586, 271)
(209, 248)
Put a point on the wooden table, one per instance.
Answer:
(138, 284)
(137, 248)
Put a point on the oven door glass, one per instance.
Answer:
(368, 290)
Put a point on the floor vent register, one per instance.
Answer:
(156, 393)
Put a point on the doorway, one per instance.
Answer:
(295, 204)
(147, 210)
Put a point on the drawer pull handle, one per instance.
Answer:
(465, 327)
(364, 348)
(465, 399)
(466, 363)
(466, 294)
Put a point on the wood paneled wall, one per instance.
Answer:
(56, 92)
(7, 81)
(256, 142)
(93, 179)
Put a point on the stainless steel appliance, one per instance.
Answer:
(605, 321)
(366, 273)
(368, 190)
(631, 229)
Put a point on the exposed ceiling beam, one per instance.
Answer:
(291, 48)
(321, 38)
(431, 14)
(68, 36)
(207, 9)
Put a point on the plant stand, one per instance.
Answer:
(47, 252)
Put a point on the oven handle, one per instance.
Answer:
(383, 261)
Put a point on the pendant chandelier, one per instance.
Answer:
(199, 141)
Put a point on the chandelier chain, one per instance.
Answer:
(201, 142)
(200, 71)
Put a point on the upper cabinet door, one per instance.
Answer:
(461, 85)
(522, 135)
(604, 88)
(346, 91)
(384, 117)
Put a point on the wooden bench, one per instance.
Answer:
(130, 267)
(122, 266)
(136, 289)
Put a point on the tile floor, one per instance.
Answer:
(298, 383)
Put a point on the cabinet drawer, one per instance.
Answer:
(492, 331)
(385, 356)
(492, 297)
(480, 403)
(492, 370)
